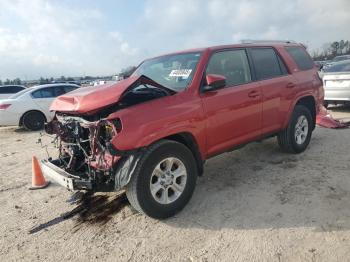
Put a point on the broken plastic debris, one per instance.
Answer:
(325, 119)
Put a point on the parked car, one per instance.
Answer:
(9, 90)
(336, 59)
(30, 107)
(340, 58)
(336, 83)
(152, 132)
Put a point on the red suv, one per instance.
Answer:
(151, 134)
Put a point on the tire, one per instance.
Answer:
(33, 120)
(145, 178)
(288, 139)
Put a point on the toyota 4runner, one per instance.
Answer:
(151, 133)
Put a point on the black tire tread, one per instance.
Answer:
(26, 114)
(131, 188)
(285, 137)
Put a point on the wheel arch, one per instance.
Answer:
(310, 103)
(28, 111)
(188, 140)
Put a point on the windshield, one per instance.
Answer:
(339, 67)
(172, 71)
(14, 96)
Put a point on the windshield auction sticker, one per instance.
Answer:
(185, 73)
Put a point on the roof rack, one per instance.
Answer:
(251, 41)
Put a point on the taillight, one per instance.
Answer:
(4, 106)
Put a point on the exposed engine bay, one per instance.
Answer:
(84, 143)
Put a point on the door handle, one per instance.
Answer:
(253, 94)
(290, 85)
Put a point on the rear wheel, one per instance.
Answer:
(164, 180)
(296, 137)
(33, 120)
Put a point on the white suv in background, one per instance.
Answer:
(30, 107)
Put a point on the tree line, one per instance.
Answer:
(330, 50)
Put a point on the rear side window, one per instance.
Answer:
(300, 57)
(266, 63)
(44, 93)
(3, 90)
(231, 64)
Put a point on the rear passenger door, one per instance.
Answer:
(233, 113)
(277, 85)
(43, 98)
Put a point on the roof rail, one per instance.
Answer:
(251, 41)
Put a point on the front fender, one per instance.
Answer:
(147, 123)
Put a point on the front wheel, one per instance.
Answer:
(164, 180)
(296, 137)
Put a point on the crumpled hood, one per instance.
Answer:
(86, 99)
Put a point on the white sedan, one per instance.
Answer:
(30, 107)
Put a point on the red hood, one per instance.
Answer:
(88, 99)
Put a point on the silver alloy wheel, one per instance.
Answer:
(301, 130)
(168, 180)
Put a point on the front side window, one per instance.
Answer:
(69, 88)
(172, 71)
(59, 90)
(300, 57)
(232, 64)
(266, 63)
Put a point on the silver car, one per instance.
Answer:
(336, 83)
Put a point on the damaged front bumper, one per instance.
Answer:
(52, 170)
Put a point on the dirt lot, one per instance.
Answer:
(254, 204)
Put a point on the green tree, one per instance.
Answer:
(341, 46)
(43, 81)
(335, 47)
(17, 81)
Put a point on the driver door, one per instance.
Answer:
(233, 113)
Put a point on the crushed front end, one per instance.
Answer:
(87, 160)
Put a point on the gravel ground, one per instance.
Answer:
(253, 204)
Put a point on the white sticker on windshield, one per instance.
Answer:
(185, 73)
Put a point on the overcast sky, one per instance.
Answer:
(87, 37)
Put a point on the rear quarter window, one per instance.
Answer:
(300, 57)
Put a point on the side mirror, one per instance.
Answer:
(214, 82)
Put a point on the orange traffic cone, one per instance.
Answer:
(38, 180)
